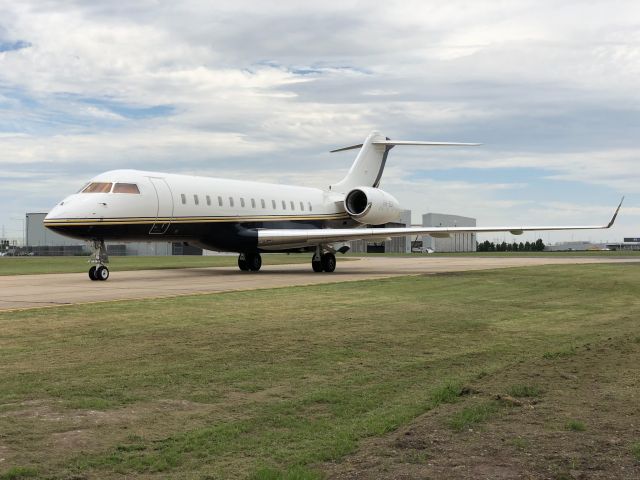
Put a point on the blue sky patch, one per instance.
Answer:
(11, 46)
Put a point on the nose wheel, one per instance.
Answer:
(99, 257)
(99, 273)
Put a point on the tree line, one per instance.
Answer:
(488, 246)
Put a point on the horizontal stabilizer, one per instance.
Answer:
(351, 147)
(409, 142)
(428, 144)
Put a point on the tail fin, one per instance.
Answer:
(369, 164)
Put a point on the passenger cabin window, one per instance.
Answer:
(97, 187)
(231, 201)
(284, 205)
(273, 204)
(195, 200)
(310, 208)
(253, 203)
(293, 205)
(125, 188)
(302, 206)
(183, 197)
(242, 202)
(220, 201)
(208, 200)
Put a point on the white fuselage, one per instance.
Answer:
(191, 208)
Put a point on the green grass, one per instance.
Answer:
(271, 383)
(524, 391)
(635, 451)
(473, 415)
(565, 352)
(16, 473)
(575, 426)
(519, 443)
(293, 473)
(449, 392)
(37, 265)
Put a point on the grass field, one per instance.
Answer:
(293, 382)
(34, 265)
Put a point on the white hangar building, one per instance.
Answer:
(457, 242)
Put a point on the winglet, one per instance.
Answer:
(613, 219)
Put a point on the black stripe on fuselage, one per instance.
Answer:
(236, 236)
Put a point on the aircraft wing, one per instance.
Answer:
(301, 237)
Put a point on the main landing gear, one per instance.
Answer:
(323, 262)
(249, 262)
(99, 271)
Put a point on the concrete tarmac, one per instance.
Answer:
(19, 292)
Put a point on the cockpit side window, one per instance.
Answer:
(97, 187)
(126, 188)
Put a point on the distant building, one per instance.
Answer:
(629, 243)
(457, 242)
(395, 245)
(39, 236)
(574, 246)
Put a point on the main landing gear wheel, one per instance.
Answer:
(316, 265)
(92, 273)
(242, 264)
(326, 263)
(249, 262)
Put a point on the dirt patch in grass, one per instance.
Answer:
(65, 430)
(598, 388)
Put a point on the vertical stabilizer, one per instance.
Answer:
(367, 169)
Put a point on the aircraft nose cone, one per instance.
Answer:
(60, 210)
(55, 213)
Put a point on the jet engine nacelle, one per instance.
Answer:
(371, 206)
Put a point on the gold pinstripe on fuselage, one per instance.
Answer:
(58, 222)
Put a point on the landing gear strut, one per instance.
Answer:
(249, 262)
(99, 271)
(323, 262)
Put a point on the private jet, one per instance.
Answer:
(248, 217)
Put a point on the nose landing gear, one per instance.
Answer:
(99, 257)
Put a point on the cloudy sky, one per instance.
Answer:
(263, 90)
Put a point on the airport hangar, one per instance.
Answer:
(42, 242)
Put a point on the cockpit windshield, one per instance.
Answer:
(97, 187)
(126, 188)
(105, 187)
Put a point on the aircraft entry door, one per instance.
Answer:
(164, 214)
